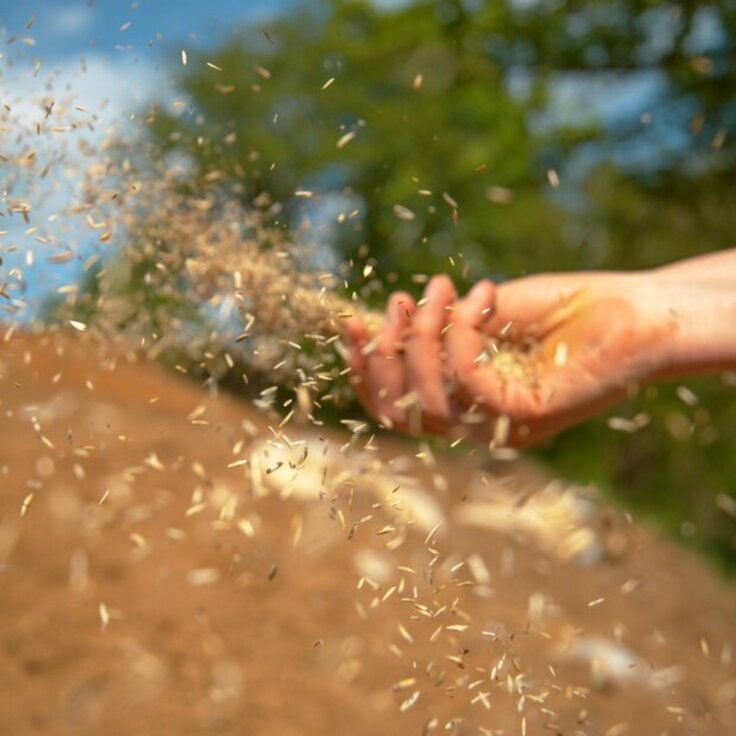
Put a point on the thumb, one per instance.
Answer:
(499, 391)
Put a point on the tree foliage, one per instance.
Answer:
(497, 138)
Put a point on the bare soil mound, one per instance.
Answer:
(169, 564)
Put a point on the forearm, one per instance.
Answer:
(717, 266)
(699, 295)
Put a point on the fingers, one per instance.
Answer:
(387, 370)
(378, 371)
(478, 306)
(425, 353)
(465, 343)
(428, 369)
(520, 411)
(357, 338)
(401, 373)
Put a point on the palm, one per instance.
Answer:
(583, 340)
(580, 337)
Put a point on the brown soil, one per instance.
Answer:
(148, 588)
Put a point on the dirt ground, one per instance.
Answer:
(170, 565)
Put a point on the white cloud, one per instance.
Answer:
(95, 96)
(105, 88)
(67, 20)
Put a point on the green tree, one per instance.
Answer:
(441, 130)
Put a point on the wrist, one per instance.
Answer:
(699, 318)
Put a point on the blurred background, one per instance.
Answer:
(475, 138)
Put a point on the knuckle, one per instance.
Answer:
(401, 299)
(423, 328)
(435, 406)
(385, 350)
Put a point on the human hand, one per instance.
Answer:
(511, 363)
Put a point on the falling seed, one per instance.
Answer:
(409, 702)
(63, 257)
(727, 504)
(704, 647)
(686, 396)
(403, 213)
(405, 634)
(26, 503)
(621, 424)
(501, 431)
(328, 83)
(80, 326)
(499, 195)
(203, 576)
(138, 540)
(560, 358)
(183, 57)
(195, 509)
(344, 140)
(553, 178)
(630, 586)
(104, 616)
(417, 82)
(450, 200)
(718, 139)
(432, 532)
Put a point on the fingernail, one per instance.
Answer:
(393, 313)
(481, 290)
(433, 288)
(392, 308)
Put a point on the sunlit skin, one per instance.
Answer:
(592, 337)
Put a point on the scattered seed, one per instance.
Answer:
(104, 616)
(345, 139)
(403, 213)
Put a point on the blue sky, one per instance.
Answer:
(135, 40)
(107, 57)
(131, 49)
(64, 28)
